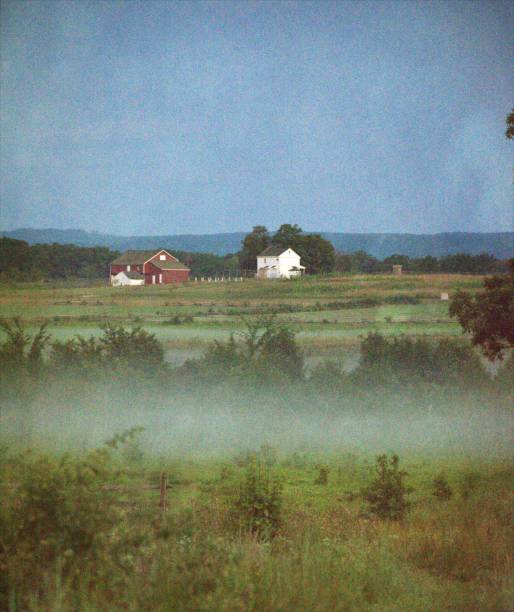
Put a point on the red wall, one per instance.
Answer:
(175, 276)
(150, 269)
(168, 276)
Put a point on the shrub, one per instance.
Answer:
(117, 348)
(257, 507)
(386, 495)
(59, 513)
(322, 478)
(328, 376)
(266, 353)
(441, 489)
(405, 360)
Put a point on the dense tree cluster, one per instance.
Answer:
(317, 253)
(20, 261)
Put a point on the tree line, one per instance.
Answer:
(21, 262)
(458, 263)
(319, 256)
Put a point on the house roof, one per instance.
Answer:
(135, 257)
(169, 265)
(272, 251)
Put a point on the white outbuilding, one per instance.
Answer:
(277, 262)
(127, 278)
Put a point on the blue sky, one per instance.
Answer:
(203, 117)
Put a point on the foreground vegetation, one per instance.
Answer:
(241, 480)
(88, 532)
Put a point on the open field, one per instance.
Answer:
(270, 480)
(328, 313)
(327, 554)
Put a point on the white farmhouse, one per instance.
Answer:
(277, 262)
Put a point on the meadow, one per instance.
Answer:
(235, 483)
(329, 314)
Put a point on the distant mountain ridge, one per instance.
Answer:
(499, 244)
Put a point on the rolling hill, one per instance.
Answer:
(499, 244)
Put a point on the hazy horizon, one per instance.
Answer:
(245, 231)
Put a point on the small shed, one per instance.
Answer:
(127, 278)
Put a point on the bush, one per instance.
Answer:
(328, 376)
(407, 361)
(386, 495)
(441, 489)
(322, 478)
(267, 353)
(116, 349)
(257, 507)
(60, 513)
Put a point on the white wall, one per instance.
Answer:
(288, 259)
(278, 267)
(122, 279)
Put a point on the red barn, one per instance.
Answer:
(155, 267)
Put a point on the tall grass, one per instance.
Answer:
(87, 541)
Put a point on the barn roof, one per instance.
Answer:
(272, 251)
(169, 265)
(135, 257)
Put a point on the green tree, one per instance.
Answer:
(289, 236)
(254, 243)
(318, 254)
(343, 262)
(488, 316)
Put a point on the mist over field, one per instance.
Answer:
(220, 423)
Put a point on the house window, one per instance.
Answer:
(128, 268)
(153, 279)
(160, 278)
(162, 257)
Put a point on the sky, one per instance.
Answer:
(204, 117)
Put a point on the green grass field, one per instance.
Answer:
(328, 313)
(328, 554)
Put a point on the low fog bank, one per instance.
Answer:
(200, 425)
